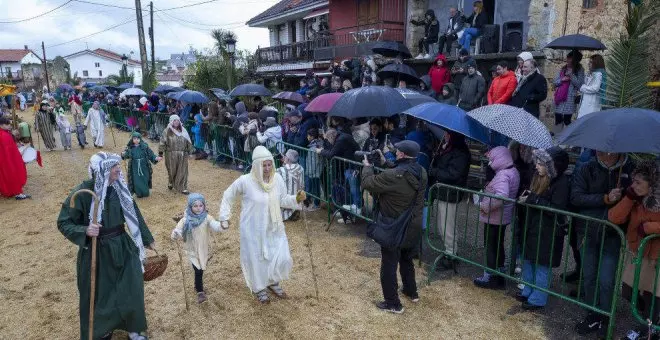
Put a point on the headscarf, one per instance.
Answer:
(138, 135)
(63, 122)
(183, 133)
(99, 171)
(193, 220)
(259, 155)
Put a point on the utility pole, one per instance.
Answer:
(143, 47)
(43, 49)
(151, 36)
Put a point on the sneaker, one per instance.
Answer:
(201, 297)
(427, 56)
(518, 271)
(311, 208)
(419, 56)
(488, 281)
(641, 333)
(592, 323)
(21, 197)
(520, 286)
(392, 309)
(412, 297)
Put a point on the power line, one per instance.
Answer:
(166, 9)
(104, 5)
(95, 33)
(204, 24)
(37, 16)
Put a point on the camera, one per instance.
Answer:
(364, 153)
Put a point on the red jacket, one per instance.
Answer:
(439, 75)
(502, 88)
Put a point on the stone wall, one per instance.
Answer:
(416, 10)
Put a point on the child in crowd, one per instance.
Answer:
(80, 134)
(197, 133)
(193, 229)
(139, 166)
(313, 169)
(293, 175)
(64, 126)
(249, 131)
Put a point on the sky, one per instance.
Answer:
(175, 30)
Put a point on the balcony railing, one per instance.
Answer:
(296, 52)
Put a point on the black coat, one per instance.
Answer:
(451, 168)
(543, 232)
(344, 147)
(532, 92)
(481, 21)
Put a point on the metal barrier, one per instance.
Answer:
(539, 236)
(229, 144)
(347, 196)
(645, 263)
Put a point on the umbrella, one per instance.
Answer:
(164, 89)
(86, 84)
(250, 90)
(391, 49)
(452, 118)
(99, 88)
(414, 97)
(65, 87)
(125, 86)
(323, 103)
(437, 131)
(133, 91)
(370, 101)
(515, 123)
(616, 130)
(112, 88)
(188, 96)
(220, 94)
(399, 72)
(287, 97)
(576, 42)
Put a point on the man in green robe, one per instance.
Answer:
(139, 165)
(122, 236)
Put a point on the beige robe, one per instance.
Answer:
(198, 243)
(176, 150)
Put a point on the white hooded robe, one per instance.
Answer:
(96, 125)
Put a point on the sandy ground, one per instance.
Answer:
(40, 299)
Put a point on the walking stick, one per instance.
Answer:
(92, 293)
(112, 131)
(183, 275)
(311, 258)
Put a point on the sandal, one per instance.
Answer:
(262, 297)
(278, 291)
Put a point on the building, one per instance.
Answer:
(181, 61)
(172, 79)
(97, 65)
(20, 66)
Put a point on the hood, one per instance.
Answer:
(452, 89)
(240, 108)
(555, 159)
(427, 80)
(525, 56)
(275, 131)
(304, 114)
(508, 74)
(431, 13)
(650, 170)
(440, 57)
(499, 158)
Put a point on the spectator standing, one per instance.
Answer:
(431, 30)
(439, 73)
(454, 28)
(568, 81)
(448, 95)
(475, 23)
(597, 186)
(593, 89)
(294, 179)
(425, 86)
(522, 58)
(473, 88)
(497, 214)
(395, 189)
(502, 88)
(308, 121)
(271, 135)
(313, 169)
(376, 141)
(531, 89)
(460, 68)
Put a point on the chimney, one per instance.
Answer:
(25, 46)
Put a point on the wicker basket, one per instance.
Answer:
(154, 266)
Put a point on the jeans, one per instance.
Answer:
(390, 259)
(599, 287)
(313, 187)
(468, 34)
(354, 187)
(199, 285)
(494, 242)
(541, 277)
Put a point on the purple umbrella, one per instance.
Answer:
(323, 103)
(287, 97)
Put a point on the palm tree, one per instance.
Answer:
(627, 66)
(220, 36)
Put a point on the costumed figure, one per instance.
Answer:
(176, 146)
(13, 174)
(43, 125)
(195, 229)
(96, 122)
(264, 248)
(75, 103)
(139, 166)
(122, 237)
(65, 131)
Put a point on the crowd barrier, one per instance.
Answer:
(646, 273)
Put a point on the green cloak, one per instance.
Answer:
(139, 166)
(119, 302)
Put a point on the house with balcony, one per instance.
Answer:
(311, 34)
(20, 66)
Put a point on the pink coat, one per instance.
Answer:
(505, 184)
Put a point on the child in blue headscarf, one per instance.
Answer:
(194, 229)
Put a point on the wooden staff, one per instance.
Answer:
(92, 293)
(311, 258)
(183, 275)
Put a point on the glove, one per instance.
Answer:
(301, 196)
(630, 193)
(176, 234)
(224, 225)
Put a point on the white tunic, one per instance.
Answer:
(197, 246)
(265, 256)
(96, 125)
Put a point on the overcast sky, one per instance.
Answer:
(175, 30)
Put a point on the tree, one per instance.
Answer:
(220, 37)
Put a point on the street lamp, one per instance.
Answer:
(124, 60)
(230, 44)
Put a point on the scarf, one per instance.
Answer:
(561, 94)
(259, 155)
(63, 123)
(181, 133)
(99, 170)
(193, 220)
(522, 80)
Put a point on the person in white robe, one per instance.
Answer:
(96, 124)
(264, 247)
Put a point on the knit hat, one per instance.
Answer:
(525, 56)
(471, 63)
(555, 160)
(143, 100)
(463, 52)
(408, 147)
(650, 170)
(291, 155)
(270, 122)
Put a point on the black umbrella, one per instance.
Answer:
(391, 49)
(370, 101)
(399, 72)
(576, 42)
(250, 90)
(415, 98)
(165, 89)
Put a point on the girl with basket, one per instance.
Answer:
(139, 166)
(195, 229)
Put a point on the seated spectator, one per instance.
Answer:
(496, 214)
(448, 95)
(294, 178)
(454, 28)
(474, 25)
(543, 240)
(531, 90)
(431, 30)
(502, 88)
(473, 89)
(270, 135)
(640, 209)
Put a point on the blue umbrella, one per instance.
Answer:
(452, 118)
(619, 130)
(414, 97)
(99, 88)
(576, 42)
(220, 94)
(250, 90)
(370, 101)
(515, 123)
(125, 86)
(65, 87)
(189, 96)
(89, 84)
(164, 89)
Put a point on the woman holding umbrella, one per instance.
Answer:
(568, 81)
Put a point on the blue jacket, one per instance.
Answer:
(308, 122)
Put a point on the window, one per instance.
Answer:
(8, 70)
(367, 11)
(589, 3)
(97, 64)
(100, 73)
(85, 73)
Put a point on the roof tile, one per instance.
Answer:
(282, 7)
